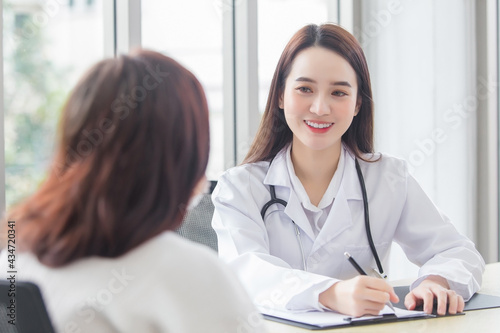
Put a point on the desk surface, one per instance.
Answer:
(474, 321)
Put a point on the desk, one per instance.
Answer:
(483, 321)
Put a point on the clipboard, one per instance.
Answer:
(316, 320)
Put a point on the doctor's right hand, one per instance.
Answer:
(362, 295)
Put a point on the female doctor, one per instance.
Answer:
(311, 188)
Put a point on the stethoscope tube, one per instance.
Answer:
(367, 216)
(275, 200)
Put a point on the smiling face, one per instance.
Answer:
(319, 99)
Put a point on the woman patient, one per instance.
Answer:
(97, 235)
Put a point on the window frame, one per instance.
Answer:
(487, 64)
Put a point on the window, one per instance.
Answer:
(277, 22)
(192, 35)
(47, 46)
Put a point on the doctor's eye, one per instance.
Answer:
(339, 93)
(304, 89)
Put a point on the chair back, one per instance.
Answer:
(197, 224)
(22, 309)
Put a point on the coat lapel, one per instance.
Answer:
(295, 211)
(278, 176)
(340, 217)
(337, 221)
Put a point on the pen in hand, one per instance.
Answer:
(355, 264)
(362, 272)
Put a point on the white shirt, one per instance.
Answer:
(167, 284)
(266, 254)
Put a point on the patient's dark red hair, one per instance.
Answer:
(134, 142)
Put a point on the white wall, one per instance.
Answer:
(422, 60)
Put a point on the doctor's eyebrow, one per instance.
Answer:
(335, 83)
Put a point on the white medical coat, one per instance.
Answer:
(266, 253)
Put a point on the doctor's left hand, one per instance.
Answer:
(435, 287)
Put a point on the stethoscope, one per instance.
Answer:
(275, 200)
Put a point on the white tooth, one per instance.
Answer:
(317, 125)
